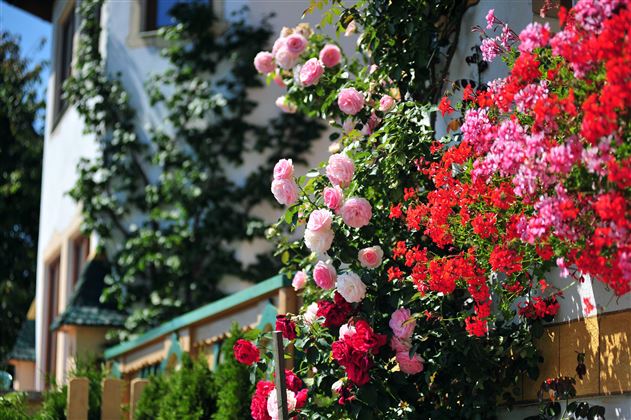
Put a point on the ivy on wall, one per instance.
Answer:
(171, 236)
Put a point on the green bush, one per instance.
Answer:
(186, 393)
(233, 382)
(12, 407)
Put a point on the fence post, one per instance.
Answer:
(78, 399)
(111, 400)
(279, 369)
(137, 386)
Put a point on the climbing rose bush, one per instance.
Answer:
(422, 263)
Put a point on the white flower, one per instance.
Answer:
(311, 314)
(351, 287)
(319, 241)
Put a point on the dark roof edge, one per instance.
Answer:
(43, 9)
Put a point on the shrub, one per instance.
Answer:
(185, 393)
(12, 406)
(233, 382)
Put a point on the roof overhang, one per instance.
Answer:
(43, 9)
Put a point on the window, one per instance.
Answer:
(53, 311)
(80, 252)
(157, 13)
(64, 65)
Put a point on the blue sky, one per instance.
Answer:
(31, 30)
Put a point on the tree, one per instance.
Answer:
(21, 145)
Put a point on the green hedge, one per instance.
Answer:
(194, 392)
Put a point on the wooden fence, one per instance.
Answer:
(118, 401)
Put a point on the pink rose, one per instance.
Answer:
(386, 103)
(285, 58)
(347, 331)
(272, 403)
(319, 241)
(330, 55)
(285, 191)
(398, 344)
(296, 43)
(300, 280)
(320, 220)
(370, 257)
(278, 44)
(285, 105)
(284, 169)
(402, 324)
(340, 170)
(351, 287)
(310, 72)
(324, 275)
(333, 197)
(349, 125)
(350, 101)
(408, 365)
(264, 62)
(356, 212)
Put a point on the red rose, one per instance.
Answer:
(286, 326)
(358, 368)
(258, 407)
(301, 398)
(292, 381)
(341, 352)
(335, 313)
(365, 339)
(246, 352)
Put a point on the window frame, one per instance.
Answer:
(65, 46)
(53, 281)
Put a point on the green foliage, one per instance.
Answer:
(233, 382)
(188, 392)
(54, 404)
(175, 176)
(12, 407)
(21, 145)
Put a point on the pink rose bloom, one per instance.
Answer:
(356, 212)
(330, 55)
(264, 62)
(340, 170)
(324, 275)
(408, 365)
(370, 257)
(399, 344)
(310, 72)
(320, 220)
(272, 403)
(285, 191)
(350, 101)
(386, 103)
(351, 287)
(333, 197)
(278, 44)
(347, 331)
(319, 241)
(284, 169)
(311, 314)
(285, 58)
(285, 105)
(296, 43)
(402, 324)
(300, 280)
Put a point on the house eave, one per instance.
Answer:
(43, 9)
